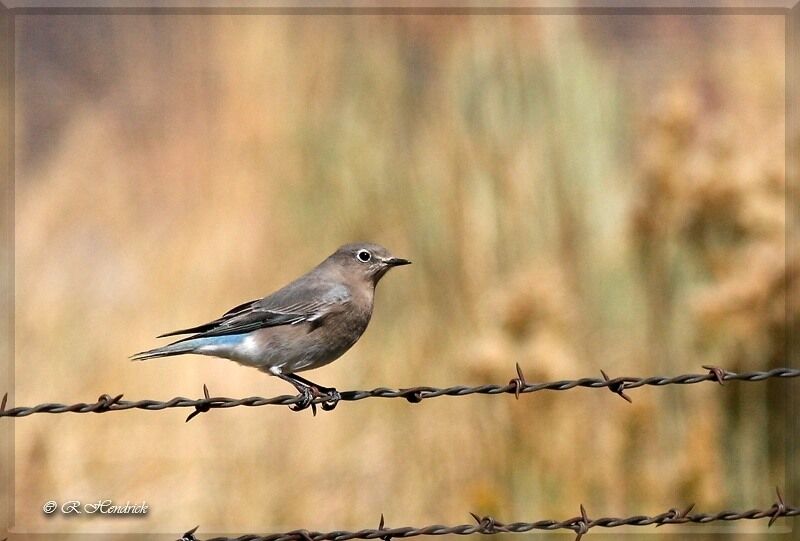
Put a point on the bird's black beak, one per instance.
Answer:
(396, 261)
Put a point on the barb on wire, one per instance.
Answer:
(717, 372)
(678, 514)
(616, 386)
(200, 408)
(515, 386)
(386, 537)
(580, 525)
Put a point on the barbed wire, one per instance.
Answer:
(580, 525)
(516, 386)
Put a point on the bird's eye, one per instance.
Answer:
(363, 256)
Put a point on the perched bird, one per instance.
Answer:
(306, 324)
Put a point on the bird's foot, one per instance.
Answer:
(307, 396)
(333, 399)
(310, 393)
(330, 393)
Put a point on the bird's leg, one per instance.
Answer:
(307, 393)
(332, 393)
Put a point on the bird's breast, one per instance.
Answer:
(341, 330)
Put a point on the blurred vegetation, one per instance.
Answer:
(575, 193)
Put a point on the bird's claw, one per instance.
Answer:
(333, 399)
(307, 396)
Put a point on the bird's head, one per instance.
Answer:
(367, 261)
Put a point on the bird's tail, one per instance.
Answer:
(178, 348)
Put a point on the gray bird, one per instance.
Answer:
(304, 325)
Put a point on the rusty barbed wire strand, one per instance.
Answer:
(516, 386)
(580, 525)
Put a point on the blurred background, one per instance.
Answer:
(576, 193)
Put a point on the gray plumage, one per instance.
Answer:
(306, 324)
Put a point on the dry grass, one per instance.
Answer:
(570, 202)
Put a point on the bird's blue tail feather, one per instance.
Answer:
(182, 347)
(166, 351)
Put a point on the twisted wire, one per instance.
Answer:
(516, 386)
(580, 525)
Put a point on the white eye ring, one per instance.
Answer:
(363, 256)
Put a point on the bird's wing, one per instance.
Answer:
(288, 306)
